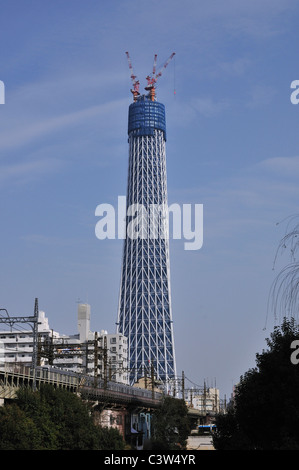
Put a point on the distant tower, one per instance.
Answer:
(83, 321)
(144, 313)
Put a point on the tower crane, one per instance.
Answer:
(155, 64)
(136, 83)
(152, 79)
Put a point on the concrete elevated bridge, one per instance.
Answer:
(90, 388)
(113, 402)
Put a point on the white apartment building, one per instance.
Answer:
(116, 360)
(93, 353)
(207, 401)
(16, 346)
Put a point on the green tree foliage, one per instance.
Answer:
(265, 414)
(52, 419)
(170, 425)
(110, 439)
(17, 431)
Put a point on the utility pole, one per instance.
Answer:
(35, 333)
(39, 350)
(153, 380)
(105, 362)
(51, 351)
(86, 357)
(31, 320)
(95, 357)
(205, 398)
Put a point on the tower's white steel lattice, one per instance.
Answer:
(144, 313)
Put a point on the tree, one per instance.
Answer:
(53, 419)
(170, 425)
(110, 439)
(284, 294)
(17, 431)
(265, 414)
(228, 435)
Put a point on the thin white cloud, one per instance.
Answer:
(244, 204)
(260, 95)
(209, 107)
(28, 170)
(281, 166)
(235, 67)
(44, 240)
(21, 134)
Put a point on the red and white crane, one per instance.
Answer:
(136, 83)
(151, 79)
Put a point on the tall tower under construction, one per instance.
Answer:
(144, 312)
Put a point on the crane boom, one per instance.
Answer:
(155, 64)
(135, 82)
(152, 79)
(165, 65)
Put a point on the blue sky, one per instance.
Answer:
(232, 145)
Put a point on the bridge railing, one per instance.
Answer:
(15, 375)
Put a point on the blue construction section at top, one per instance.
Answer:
(145, 116)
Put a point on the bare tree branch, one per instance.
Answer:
(284, 293)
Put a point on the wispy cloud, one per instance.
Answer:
(236, 67)
(22, 133)
(44, 240)
(281, 166)
(29, 170)
(260, 95)
(247, 201)
(209, 107)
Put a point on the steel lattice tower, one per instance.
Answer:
(144, 313)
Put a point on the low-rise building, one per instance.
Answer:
(207, 400)
(94, 353)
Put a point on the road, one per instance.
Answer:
(200, 443)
